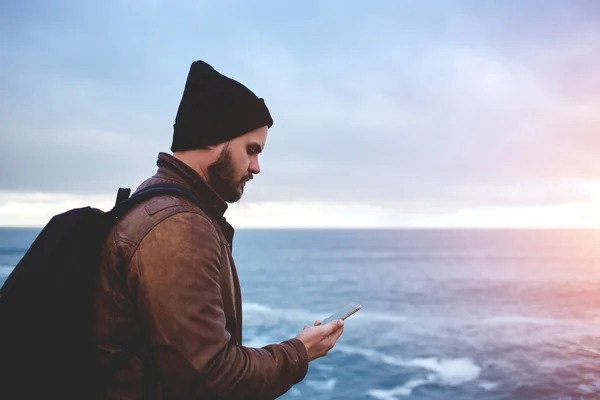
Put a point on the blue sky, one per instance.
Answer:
(388, 113)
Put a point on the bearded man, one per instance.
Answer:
(168, 305)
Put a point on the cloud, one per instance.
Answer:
(35, 209)
(389, 105)
(470, 124)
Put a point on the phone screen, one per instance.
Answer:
(343, 313)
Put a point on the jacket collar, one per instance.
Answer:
(184, 174)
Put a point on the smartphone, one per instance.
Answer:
(343, 313)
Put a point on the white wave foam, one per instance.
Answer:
(295, 392)
(449, 372)
(452, 372)
(328, 384)
(486, 385)
(404, 390)
(446, 372)
(370, 354)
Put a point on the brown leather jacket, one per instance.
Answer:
(169, 307)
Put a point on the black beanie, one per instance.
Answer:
(215, 109)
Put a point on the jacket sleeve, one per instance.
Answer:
(180, 304)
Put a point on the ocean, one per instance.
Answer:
(447, 314)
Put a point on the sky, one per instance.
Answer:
(387, 113)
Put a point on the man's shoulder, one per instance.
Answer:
(150, 214)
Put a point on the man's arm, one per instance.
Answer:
(180, 303)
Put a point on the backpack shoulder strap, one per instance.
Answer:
(122, 195)
(124, 202)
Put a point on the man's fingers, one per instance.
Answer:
(317, 322)
(331, 327)
(336, 335)
(305, 327)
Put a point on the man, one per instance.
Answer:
(168, 322)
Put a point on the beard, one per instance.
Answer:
(222, 177)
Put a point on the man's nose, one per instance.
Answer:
(254, 167)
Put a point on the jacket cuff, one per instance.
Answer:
(299, 358)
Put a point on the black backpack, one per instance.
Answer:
(46, 348)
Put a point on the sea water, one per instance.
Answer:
(447, 314)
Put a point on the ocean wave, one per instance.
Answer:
(407, 388)
(13, 250)
(487, 385)
(452, 372)
(260, 314)
(328, 384)
(404, 390)
(443, 371)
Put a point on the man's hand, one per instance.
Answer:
(321, 338)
